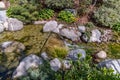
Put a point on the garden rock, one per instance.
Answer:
(84, 38)
(1, 28)
(55, 64)
(66, 64)
(2, 5)
(3, 16)
(111, 64)
(12, 46)
(107, 36)
(28, 62)
(96, 34)
(14, 24)
(73, 11)
(82, 29)
(101, 55)
(70, 34)
(51, 26)
(76, 54)
(44, 56)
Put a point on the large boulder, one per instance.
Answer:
(14, 24)
(111, 64)
(28, 62)
(96, 34)
(1, 28)
(51, 26)
(70, 34)
(55, 64)
(76, 54)
(12, 46)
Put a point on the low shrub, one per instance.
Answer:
(26, 12)
(108, 14)
(83, 9)
(66, 16)
(116, 27)
(46, 14)
(59, 4)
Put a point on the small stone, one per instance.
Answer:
(44, 56)
(84, 38)
(82, 29)
(73, 11)
(40, 22)
(55, 64)
(66, 64)
(60, 26)
(101, 55)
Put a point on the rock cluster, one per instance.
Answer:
(77, 34)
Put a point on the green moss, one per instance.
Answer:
(114, 50)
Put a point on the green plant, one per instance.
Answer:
(25, 12)
(46, 14)
(66, 16)
(59, 4)
(108, 14)
(56, 51)
(116, 27)
(83, 9)
(90, 25)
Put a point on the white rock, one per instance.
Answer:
(25, 64)
(14, 24)
(101, 55)
(1, 28)
(55, 64)
(96, 34)
(51, 26)
(3, 16)
(66, 64)
(81, 28)
(2, 5)
(60, 26)
(5, 25)
(44, 56)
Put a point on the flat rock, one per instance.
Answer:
(28, 62)
(12, 46)
(111, 64)
(70, 34)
